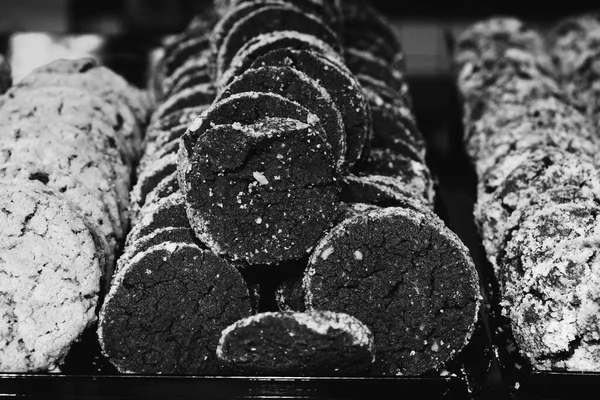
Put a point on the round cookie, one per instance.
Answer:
(263, 192)
(53, 267)
(191, 74)
(366, 29)
(546, 121)
(5, 75)
(298, 87)
(407, 277)
(168, 212)
(363, 62)
(197, 96)
(415, 175)
(266, 42)
(288, 343)
(382, 191)
(515, 186)
(341, 85)
(245, 108)
(168, 186)
(270, 19)
(166, 309)
(491, 38)
(551, 284)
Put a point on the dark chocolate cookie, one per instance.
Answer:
(266, 42)
(288, 343)
(270, 19)
(261, 192)
(407, 277)
(296, 86)
(343, 87)
(166, 310)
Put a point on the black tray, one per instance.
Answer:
(86, 374)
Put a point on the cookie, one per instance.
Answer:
(270, 19)
(363, 62)
(168, 212)
(5, 74)
(407, 277)
(504, 196)
(53, 269)
(341, 85)
(551, 289)
(266, 42)
(166, 187)
(188, 76)
(197, 96)
(382, 191)
(288, 343)
(262, 192)
(166, 310)
(245, 108)
(150, 177)
(545, 122)
(366, 29)
(298, 87)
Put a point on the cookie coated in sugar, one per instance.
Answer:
(53, 272)
(550, 267)
(298, 87)
(292, 343)
(270, 19)
(342, 86)
(267, 42)
(166, 309)
(262, 193)
(244, 108)
(407, 277)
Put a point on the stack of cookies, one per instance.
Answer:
(535, 154)
(305, 171)
(71, 136)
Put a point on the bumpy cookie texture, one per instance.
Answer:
(343, 87)
(407, 277)
(266, 42)
(504, 195)
(552, 286)
(263, 192)
(415, 175)
(491, 38)
(150, 177)
(245, 108)
(166, 310)
(52, 267)
(271, 19)
(366, 29)
(544, 122)
(311, 343)
(296, 86)
(381, 191)
(166, 212)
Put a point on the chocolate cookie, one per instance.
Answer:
(187, 76)
(298, 87)
(288, 343)
(53, 273)
(166, 310)
(166, 187)
(341, 85)
(407, 277)
(267, 42)
(363, 62)
(261, 192)
(150, 177)
(271, 19)
(168, 212)
(197, 96)
(245, 108)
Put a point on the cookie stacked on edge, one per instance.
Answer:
(311, 119)
(70, 137)
(535, 154)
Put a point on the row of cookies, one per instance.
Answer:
(71, 134)
(535, 154)
(274, 188)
